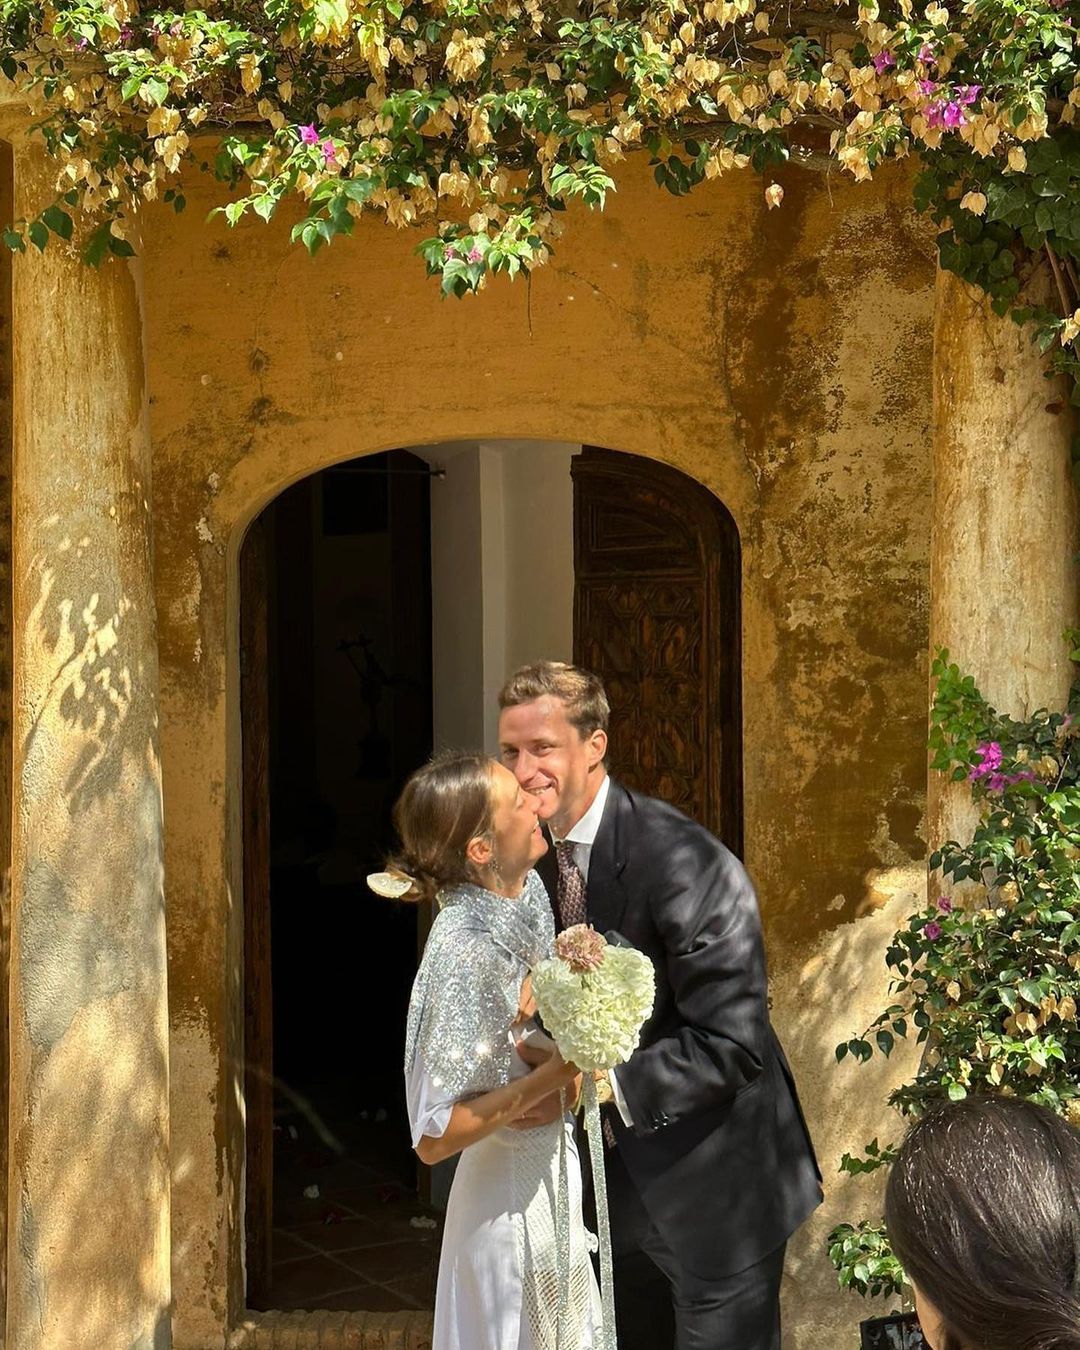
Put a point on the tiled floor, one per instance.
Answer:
(364, 1241)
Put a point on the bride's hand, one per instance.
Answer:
(561, 1068)
(534, 1055)
(565, 1089)
(526, 1003)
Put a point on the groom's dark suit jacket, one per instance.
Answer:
(719, 1153)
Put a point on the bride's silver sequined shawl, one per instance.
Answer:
(464, 1000)
(468, 987)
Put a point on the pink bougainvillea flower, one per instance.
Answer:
(935, 116)
(309, 134)
(928, 87)
(475, 254)
(883, 61)
(954, 116)
(933, 930)
(329, 152)
(944, 904)
(966, 94)
(451, 252)
(989, 762)
(926, 54)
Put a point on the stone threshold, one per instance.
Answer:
(324, 1330)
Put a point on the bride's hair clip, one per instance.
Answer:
(390, 885)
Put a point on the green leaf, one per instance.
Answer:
(97, 246)
(39, 235)
(156, 90)
(120, 247)
(58, 221)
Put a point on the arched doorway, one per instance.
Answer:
(383, 602)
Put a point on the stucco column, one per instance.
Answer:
(88, 1251)
(1003, 584)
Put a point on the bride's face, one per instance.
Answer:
(518, 840)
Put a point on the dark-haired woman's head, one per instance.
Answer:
(983, 1210)
(463, 818)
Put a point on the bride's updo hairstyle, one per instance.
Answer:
(983, 1210)
(443, 805)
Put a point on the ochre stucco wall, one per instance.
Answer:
(781, 358)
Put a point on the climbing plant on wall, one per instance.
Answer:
(482, 120)
(987, 976)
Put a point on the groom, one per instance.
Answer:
(710, 1167)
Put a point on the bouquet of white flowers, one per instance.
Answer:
(594, 998)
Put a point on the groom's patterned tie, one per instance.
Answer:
(571, 886)
(572, 911)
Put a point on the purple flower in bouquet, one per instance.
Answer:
(581, 947)
(944, 904)
(933, 930)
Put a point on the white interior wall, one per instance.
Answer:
(502, 562)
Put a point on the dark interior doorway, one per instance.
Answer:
(337, 704)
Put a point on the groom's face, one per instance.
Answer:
(551, 759)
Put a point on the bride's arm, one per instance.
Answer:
(478, 1117)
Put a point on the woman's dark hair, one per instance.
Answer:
(443, 805)
(983, 1210)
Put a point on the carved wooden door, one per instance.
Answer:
(656, 615)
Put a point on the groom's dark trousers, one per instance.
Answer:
(717, 1170)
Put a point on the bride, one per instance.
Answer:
(514, 1272)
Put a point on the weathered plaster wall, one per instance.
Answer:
(88, 1255)
(6, 205)
(1001, 459)
(783, 359)
(502, 575)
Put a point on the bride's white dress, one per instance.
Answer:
(498, 1285)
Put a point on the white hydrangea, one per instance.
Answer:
(595, 1016)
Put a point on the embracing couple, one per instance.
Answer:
(708, 1162)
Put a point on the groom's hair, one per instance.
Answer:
(580, 692)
